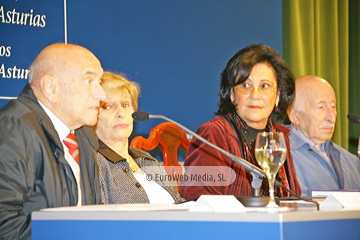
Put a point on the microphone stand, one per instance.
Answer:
(257, 200)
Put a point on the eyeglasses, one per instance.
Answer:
(264, 88)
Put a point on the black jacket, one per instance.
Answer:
(34, 173)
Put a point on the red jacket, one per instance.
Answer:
(219, 132)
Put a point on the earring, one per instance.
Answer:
(276, 105)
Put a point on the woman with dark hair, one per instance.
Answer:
(256, 89)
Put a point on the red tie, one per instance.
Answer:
(70, 142)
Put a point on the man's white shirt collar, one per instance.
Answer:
(59, 126)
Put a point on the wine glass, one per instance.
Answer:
(270, 152)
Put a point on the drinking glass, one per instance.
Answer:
(270, 152)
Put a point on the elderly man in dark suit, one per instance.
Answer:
(38, 167)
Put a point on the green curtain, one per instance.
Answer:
(354, 70)
(316, 42)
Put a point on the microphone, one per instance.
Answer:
(141, 116)
(354, 118)
(145, 116)
(257, 173)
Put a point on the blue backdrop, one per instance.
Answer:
(175, 50)
(23, 33)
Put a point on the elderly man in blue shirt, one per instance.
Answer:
(320, 164)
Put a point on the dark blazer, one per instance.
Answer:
(34, 173)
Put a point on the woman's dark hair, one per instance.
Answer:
(239, 68)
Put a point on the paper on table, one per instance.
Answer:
(325, 193)
(330, 203)
(349, 199)
(217, 203)
(127, 207)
